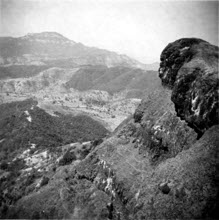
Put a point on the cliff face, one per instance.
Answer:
(190, 68)
(152, 167)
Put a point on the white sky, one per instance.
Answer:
(139, 28)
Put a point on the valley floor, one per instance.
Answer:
(110, 111)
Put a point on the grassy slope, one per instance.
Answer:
(45, 130)
(113, 79)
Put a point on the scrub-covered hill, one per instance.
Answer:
(23, 124)
(114, 80)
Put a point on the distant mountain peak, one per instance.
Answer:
(48, 46)
(46, 36)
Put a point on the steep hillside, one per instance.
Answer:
(114, 80)
(20, 71)
(30, 141)
(154, 166)
(53, 48)
(23, 123)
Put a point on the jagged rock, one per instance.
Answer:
(190, 67)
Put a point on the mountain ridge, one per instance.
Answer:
(52, 46)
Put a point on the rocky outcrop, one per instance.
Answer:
(190, 68)
(161, 132)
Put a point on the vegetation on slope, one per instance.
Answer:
(44, 130)
(114, 79)
(20, 71)
(24, 127)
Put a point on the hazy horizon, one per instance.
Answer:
(139, 29)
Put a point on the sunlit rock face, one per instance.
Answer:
(189, 67)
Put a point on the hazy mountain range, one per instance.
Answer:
(50, 47)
